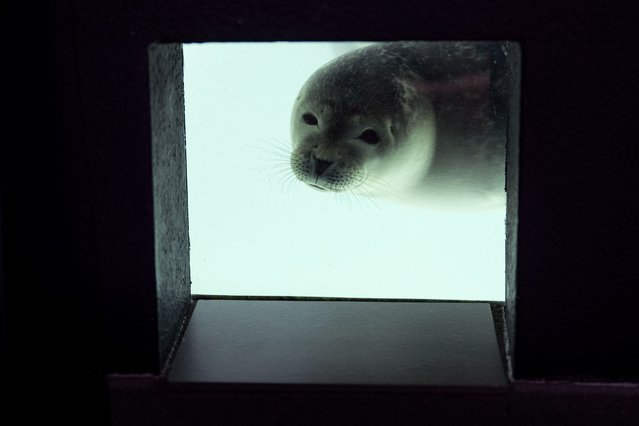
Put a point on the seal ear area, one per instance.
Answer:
(370, 136)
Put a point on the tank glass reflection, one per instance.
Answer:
(259, 229)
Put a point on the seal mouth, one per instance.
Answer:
(317, 187)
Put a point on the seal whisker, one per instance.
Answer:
(352, 198)
(347, 197)
(285, 183)
(378, 182)
(275, 157)
(290, 181)
(370, 200)
(274, 168)
(282, 179)
(276, 142)
(343, 197)
(374, 186)
(357, 198)
(274, 163)
(273, 147)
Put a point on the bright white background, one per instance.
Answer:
(255, 230)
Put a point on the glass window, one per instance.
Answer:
(379, 175)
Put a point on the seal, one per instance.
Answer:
(416, 122)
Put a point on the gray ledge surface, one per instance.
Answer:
(339, 343)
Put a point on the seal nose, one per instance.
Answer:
(320, 166)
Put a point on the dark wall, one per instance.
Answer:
(55, 342)
(77, 195)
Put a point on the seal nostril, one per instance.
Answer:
(321, 165)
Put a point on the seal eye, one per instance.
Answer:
(309, 119)
(369, 136)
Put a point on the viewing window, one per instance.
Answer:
(258, 228)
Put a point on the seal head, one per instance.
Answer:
(368, 121)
